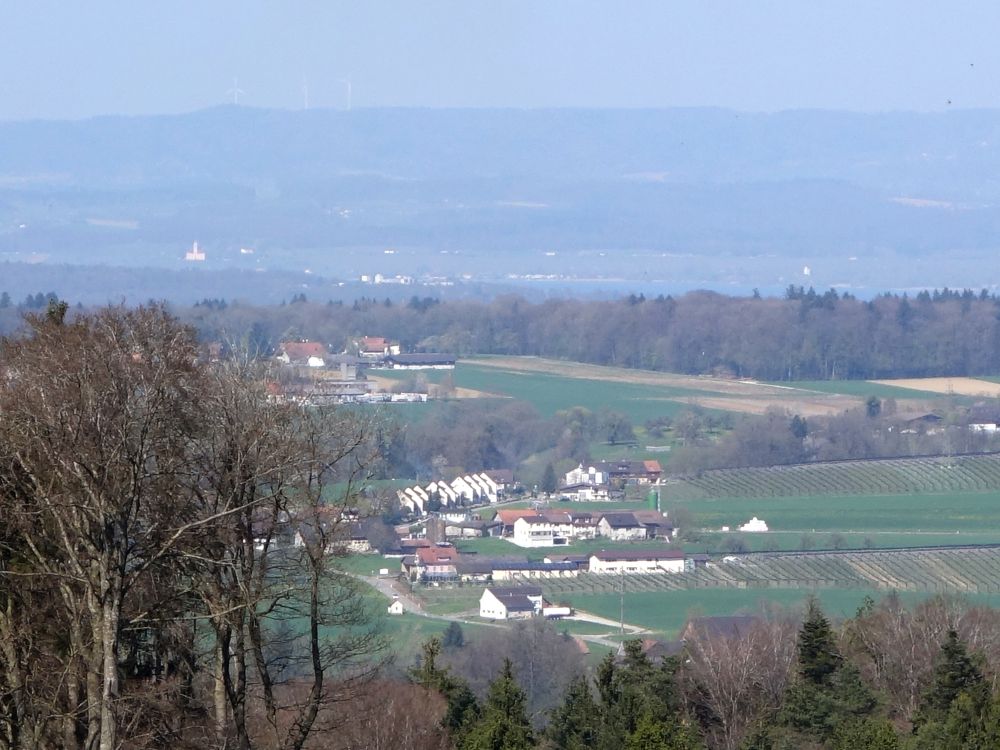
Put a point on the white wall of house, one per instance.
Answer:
(646, 565)
(533, 534)
(490, 607)
(588, 475)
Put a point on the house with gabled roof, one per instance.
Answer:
(308, 353)
(640, 472)
(510, 602)
(621, 527)
(437, 563)
(656, 523)
(537, 531)
(376, 347)
(507, 517)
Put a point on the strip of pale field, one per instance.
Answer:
(821, 406)
(640, 377)
(741, 396)
(960, 386)
(386, 384)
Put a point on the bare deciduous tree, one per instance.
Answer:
(150, 500)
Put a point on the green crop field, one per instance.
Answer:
(551, 393)
(496, 547)
(972, 512)
(665, 612)
(939, 475)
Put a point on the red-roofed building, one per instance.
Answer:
(310, 353)
(508, 516)
(376, 347)
(437, 563)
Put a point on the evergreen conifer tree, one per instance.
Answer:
(574, 724)
(818, 655)
(504, 723)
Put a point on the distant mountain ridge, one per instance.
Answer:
(906, 150)
(647, 194)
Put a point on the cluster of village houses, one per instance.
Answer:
(328, 377)
(594, 483)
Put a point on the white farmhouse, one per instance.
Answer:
(510, 602)
(536, 531)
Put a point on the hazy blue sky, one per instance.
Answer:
(61, 58)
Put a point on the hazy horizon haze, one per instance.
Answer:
(62, 61)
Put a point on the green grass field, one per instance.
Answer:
(974, 513)
(496, 547)
(793, 540)
(551, 393)
(665, 612)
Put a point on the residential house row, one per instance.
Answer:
(443, 563)
(553, 528)
(597, 482)
(470, 489)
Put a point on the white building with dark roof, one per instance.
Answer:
(510, 602)
(628, 561)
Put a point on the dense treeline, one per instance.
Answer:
(805, 335)
(890, 678)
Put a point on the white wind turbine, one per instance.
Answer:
(236, 91)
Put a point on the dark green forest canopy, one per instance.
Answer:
(803, 336)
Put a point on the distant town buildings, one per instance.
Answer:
(195, 254)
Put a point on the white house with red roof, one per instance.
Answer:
(309, 353)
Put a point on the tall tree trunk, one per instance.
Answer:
(219, 693)
(111, 617)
